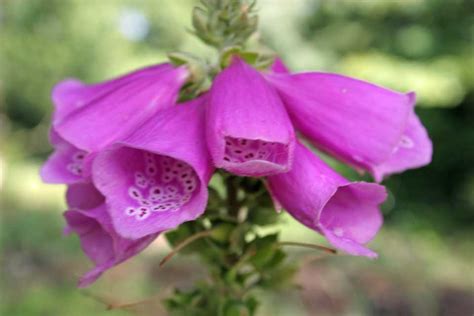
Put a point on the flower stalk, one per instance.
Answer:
(239, 260)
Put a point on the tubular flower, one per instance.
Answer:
(248, 130)
(89, 219)
(90, 117)
(367, 126)
(157, 178)
(87, 118)
(346, 213)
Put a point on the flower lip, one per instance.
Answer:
(255, 157)
(363, 199)
(83, 195)
(67, 164)
(100, 242)
(414, 148)
(346, 213)
(153, 191)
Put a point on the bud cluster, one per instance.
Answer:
(222, 23)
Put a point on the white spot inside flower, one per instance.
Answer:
(134, 193)
(140, 180)
(142, 213)
(145, 202)
(168, 187)
(130, 211)
(76, 165)
(171, 189)
(186, 198)
(239, 150)
(75, 168)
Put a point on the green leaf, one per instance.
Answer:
(265, 248)
(222, 232)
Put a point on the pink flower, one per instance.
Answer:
(346, 213)
(137, 163)
(90, 117)
(367, 126)
(157, 177)
(89, 219)
(249, 132)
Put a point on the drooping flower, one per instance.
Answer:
(89, 219)
(248, 130)
(157, 177)
(367, 126)
(346, 213)
(87, 118)
(90, 117)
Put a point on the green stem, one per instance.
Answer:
(184, 243)
(232, 191)
(307, 245)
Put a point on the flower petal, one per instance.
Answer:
(248, 130)
(279, 67)
(100, 242)
(71, 94)
(413, 151)
(346, 213)
(83, 196)
(93, 116)
(157, 178)
(357, 122)
(67, 164)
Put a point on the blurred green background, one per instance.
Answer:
(426, 246)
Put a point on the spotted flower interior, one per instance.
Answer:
(76, 165)
(240, 150)
(160, 184)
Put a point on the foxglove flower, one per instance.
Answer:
(346, 213)
(87, 118)
(157, 177)
(90, 117)
(248, 130)
(367, 126)
(89, 219)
